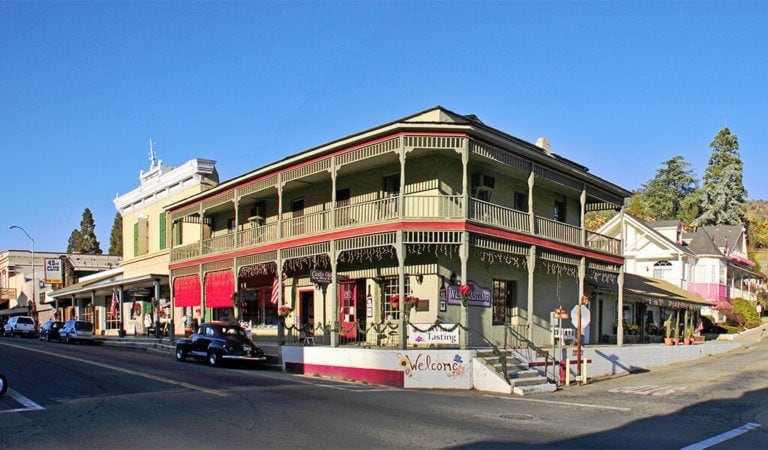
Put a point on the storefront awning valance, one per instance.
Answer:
(655, 292)
(186, 291)
(219, 287)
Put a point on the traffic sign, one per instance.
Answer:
(585, 316)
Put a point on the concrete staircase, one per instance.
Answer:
(522, 379)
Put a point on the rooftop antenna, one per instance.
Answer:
(152, 155)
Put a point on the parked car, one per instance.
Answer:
(217, 342)
(20, 326)
(76, 331)
(50, 330)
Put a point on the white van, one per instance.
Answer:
(19, 326)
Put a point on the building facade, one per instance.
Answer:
(52, 271)
(135, 298)
(389, 226)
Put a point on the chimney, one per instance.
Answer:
(543, 143)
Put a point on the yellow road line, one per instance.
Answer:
(127, 371)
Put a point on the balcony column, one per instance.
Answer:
(280, 293)
(465, 178)
(531, 268)
(531, 215)
(583, 199)
(463, 257)
(334, 288)
(582, 275)
(236, 231)
(279, 206)
(401, 323)
(333, 171)
(401, 198)
(620, 312)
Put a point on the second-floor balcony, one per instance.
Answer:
(446, 208)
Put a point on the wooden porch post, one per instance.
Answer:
(401, 323)
(334, 294)
(620, 319)
(531, 268)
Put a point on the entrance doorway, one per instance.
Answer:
(352, 310)
(307, 310)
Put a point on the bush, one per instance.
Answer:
(747, 311)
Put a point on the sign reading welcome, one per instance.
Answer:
(479, 296)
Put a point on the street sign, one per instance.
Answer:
(585, 316)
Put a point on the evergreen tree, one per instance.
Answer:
(116, 236)
(91, 245)
(723, 200)
(84, 240)
(668, 194)
(74, 244)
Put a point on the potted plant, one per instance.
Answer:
(668, 331)
(688, 335)
(676, 329)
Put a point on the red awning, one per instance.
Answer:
(219, 287)
(186, 291)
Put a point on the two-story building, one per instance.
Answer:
(356, 234)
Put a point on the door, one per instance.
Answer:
(307, 312)
(297, 209)
(348, 305)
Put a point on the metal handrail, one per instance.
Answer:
(540, 352)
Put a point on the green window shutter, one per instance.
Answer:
(162, 230)
(136, 239)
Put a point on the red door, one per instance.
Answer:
(348, 310)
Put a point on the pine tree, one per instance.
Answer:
(116, 236)
(84, 240)
(74, 243)
(723, 199)
(91, 245)
(668, 194)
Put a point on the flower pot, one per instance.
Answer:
(675, 340)
(689, 341)
(668, 341)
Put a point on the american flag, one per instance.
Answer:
(115, 301)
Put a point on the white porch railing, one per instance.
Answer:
(439, 207)
(499, 216)
(218, 244)
(559, 231)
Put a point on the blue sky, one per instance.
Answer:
(617, 86)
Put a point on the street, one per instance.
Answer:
(90, 396)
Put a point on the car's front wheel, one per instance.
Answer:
(181, 355)
(213, 358)
(3, 384)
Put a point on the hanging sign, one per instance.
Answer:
(320, 276)
(479, 296)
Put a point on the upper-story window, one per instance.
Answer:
(161, 231)
(483, 186)
(141, 236)
(662, 270)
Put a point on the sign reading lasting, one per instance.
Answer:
(435, 336)
(479, 296)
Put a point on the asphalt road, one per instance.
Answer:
(82, 396)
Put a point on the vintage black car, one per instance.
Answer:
(217, 342)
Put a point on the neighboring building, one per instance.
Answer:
(407, 211)
(709, 262)
(53, 270)
(123, 299)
